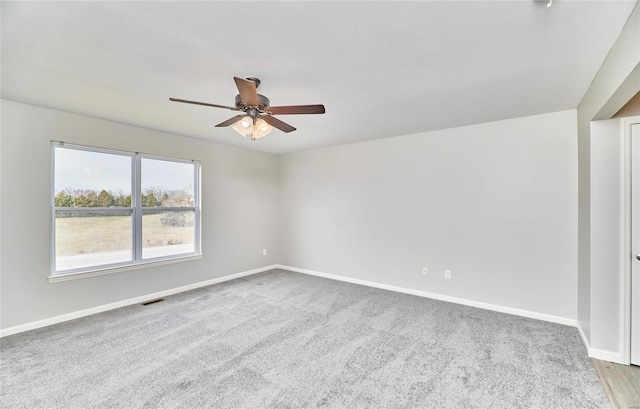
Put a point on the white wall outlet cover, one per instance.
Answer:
(264, 252)
(447, 273)
(425, 271)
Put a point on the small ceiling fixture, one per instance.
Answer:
(257, 120)
(248, 126)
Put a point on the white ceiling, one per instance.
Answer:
(381, 68)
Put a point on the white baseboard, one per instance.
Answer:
(435, 296)
(585, 341)
(600, 354)
(604, 355)
(137, 300)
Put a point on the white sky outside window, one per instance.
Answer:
(79, 169)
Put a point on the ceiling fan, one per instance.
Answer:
(257, 118)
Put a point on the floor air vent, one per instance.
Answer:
(153, 301)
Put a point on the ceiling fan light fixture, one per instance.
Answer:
(246, 122)
(261, 128)
(244, 126)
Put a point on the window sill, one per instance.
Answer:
(102, 271)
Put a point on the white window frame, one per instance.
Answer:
(136, 210)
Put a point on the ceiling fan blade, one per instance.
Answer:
(275, 122)
(248, 91)
(203, 103)
(230, 121)
(297, 109)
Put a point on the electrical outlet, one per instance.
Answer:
(425, 271)
(264, 252)
(447, 273)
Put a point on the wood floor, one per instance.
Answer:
(622, 383)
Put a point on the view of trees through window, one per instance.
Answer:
(90, 198)
(151, 197)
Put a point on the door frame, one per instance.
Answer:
(627, 249)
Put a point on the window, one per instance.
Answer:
(112, 209)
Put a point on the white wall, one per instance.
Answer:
(495, 203)
(239, 213)
(617, 81)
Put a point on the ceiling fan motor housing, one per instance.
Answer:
(263, 102)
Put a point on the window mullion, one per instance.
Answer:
(137, 208)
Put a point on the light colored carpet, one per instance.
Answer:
(287, 340)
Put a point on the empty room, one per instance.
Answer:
(353, 204)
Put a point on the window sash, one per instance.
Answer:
(172, 233)
(135, 210)
(85, 210)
